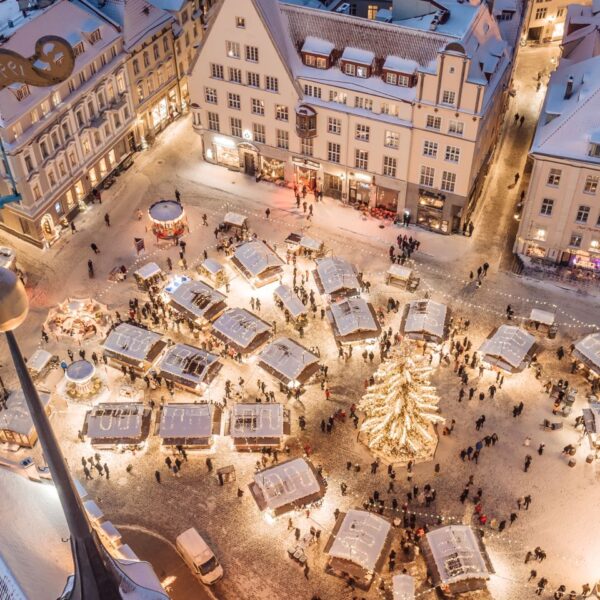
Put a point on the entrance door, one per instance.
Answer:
(47, 225)
(249, 164)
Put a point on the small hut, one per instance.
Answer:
(353, 321)
(253, 426)
(336, 278)
(133, 346)
(16, 424)
(509, 348)
(242, 330)
(587, 350)
(257, 262)
(189, 425)
(196, 301)
(112, 424)
(288, 362)
(425, 320)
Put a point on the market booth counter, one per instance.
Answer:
(425, 320)
(196, 301)
(253, 426)
(190, 425)
(353, 321)
(213, 271)
(509, 348)
(358, 546)
(188, 368)
(148, 275)
(167, 219)
(290, 363)
(403, 277)
(16, 425)
(133, 346)
(257, 262)
(113, 425)
(243, 331)
(336, 278)
(287, 486)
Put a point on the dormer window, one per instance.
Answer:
(355, 70)
(594, 150)
(78, 49)
(357, 63)
(317, 53)
(21, 91)
(95, 36)
(399, 71)
(318, 62)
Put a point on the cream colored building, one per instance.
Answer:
(400, 116)
(546, 20)
(560, 222)
(60, 142)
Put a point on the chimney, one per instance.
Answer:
(569, 88)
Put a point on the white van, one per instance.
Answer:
(199, 557)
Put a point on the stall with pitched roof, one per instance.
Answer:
(189, 425)
(508, 347)
(253, 426)
(587, 350)
(133, 346)
(116, 424)
(196, 301)
(353, 321)
(257, 262)
(288, 362)
(336, 278)
(241, 329)
(16, 424)
(425, 320)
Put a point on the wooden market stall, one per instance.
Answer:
(148, 275)
(196, 301)
(133, 346)
(290, 363)
(508, 347)
(401, 276)
(353, 321)
(257, 262)
(190, 425)
(253, 426)
(425, 320)
(336, 278)
(16, 424)
(115, 424)
(241, 330)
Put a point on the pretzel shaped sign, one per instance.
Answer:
(52, 63)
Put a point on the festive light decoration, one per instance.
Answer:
(401, 409)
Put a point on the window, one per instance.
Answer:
(433, 122)
(448, 97)
(339, 97)
(56, 98)
(35, 116)
(82, 78)
(389, 166)
(389, 109)
(234, 101)
(356, 70)
(554, 177)
(583, 214)
(594, 150)
(55, 140)
(28, 163)
(213, 121)
(236, 126)
(95, 36)
(252, 54)
(361, 159)
(392, 139)
(430, 149)
(22, 92)
(547, 207)
(146, 59)
(253, 79)
(456, 127)
(258, 107)
(281, 112)
(85, 144)
(283, 139)
(334, 152)
(232, 49)
(166, 44)
(140, 91)
(235, 75)
(240, 22)
(560, 12)
(216, 71)
(334, 125)
(362, 132)
(319, 62)
(452, 154)
(575, 240)
(79, 117)
(591, 184)
(44, 150)
(156, 51)
(312, 90)
(121, 83)
(372, 11)
(258, 131)
(272, 83)
(539, 234)
(37, 193)
(78, 49)
(427, 174)
(210, 95)
(306, 147)
(448, 181)
(540, 13)
(365, 103)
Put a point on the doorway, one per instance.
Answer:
(249, 164)
(47, 225)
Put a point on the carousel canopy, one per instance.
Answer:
(587, 349)
(288, 360)
(256, 420)
(78, 318)
(336, 274)
(165, 211)
(16, 416)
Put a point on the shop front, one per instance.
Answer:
(360, 187)
(306, 173)
(332, 186)
(272, 169)
(224, 151)
(430, 212)
(249, 158)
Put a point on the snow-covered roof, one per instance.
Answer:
(400, 272)
(186, 421)
(361, 538)
(287, 359)
(356, 55)
(457, 554)
(134, 343)
(336, 274)
(186, 364)
(16, 416)
(212, 266)
(403, 587)
(115, 421)
(426, 317)
(8, 257)
(255, 258)
(403, 65)
(315, 45)
(38, 360)
(240, 327)
(232, 218)
(353, 315)
(287, 483)
(508, 346)
(197, 300)
(169, 5)
(256, 420)
(165, 211)
(290, 301)
(148, 270)
(542, 316)
(588, 349)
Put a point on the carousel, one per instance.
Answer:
(81, 380)
(168, 219)
(78, 320)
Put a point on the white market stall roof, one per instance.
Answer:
(311, 243)
(187, 365)
(335, 274)
(458, 554)
(403, 587)
(257, 420)
(353, 315)
(508, 347)
(587, 349)
(197, 300)
(115, 421)
(288, 360)
(39, 360)
(148, 270)
(290, 301)
(236, 219)
(93, 511)
(133, 343)
(186, 421)
(542, 316)
(212, 266)
(293, 482)
(426, 317)
(314, 45)
(360, 539)
(16, 416)
(8, 257)
(400, 272)
(240, 327)
(255, 258)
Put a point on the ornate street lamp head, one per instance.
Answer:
(14, 304)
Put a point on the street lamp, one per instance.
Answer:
(94, 577)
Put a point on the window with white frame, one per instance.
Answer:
(554, 177)
(541, 13)
(234, 101)
(583, 214)
(392, 139)
(427, 175)
(282, 112)
(258, 131)
(216, 71)
(253, 79)
(456, 127)
(252, 54)
(448, 97)
(283, 139)
(210, 95)
(591, 184)
(448, 181)
(334, 125)
(361, 159)
(271, 83)
(430, 149)
(362, 132)
(232, 49)
(235, 75)
(258, 107)
(334, 152)
(452, 154)
(213, 121)
(364, 103)
(575, 240)
(433, 122)
(356, 70)
(313, 91)
(339, 97)
(236, 126)
(539, 233)
(306, 146)
(547, 207)
(389, 109)
(389, 166)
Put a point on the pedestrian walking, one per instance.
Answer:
(157, 476)
(521, 120)
(107, 219)
(209, 464)
(95, 248)
(90, 265)
(268, 212)
(106, 471)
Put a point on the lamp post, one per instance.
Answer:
(94, 577)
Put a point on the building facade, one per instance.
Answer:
(560, 221)
(546, 20)
(61, 142)
(399, 116)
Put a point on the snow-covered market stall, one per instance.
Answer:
(253, 426)
(235, 221)
(16, 425)
(288, 301)
(187, 367)
(287, 486)
(196, 301)
(115, 424)
(542, 320)
(257, 262)
(591, 424)
(358, 546)
(133, 346)
(302, 244)
(148, 275)
(457, 560)
(288, 362)
(336, 278)
(242, 330)
(213, 271)
(508, 347)
(425, 320)
(587, 350)
(78, 320)
(403, 587)
(403, 277)
(189, 425)
(353, 321)
(167, 219)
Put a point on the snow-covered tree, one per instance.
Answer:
(401, 408)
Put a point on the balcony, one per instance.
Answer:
(306, 122)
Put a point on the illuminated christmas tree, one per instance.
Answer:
(401, 409)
